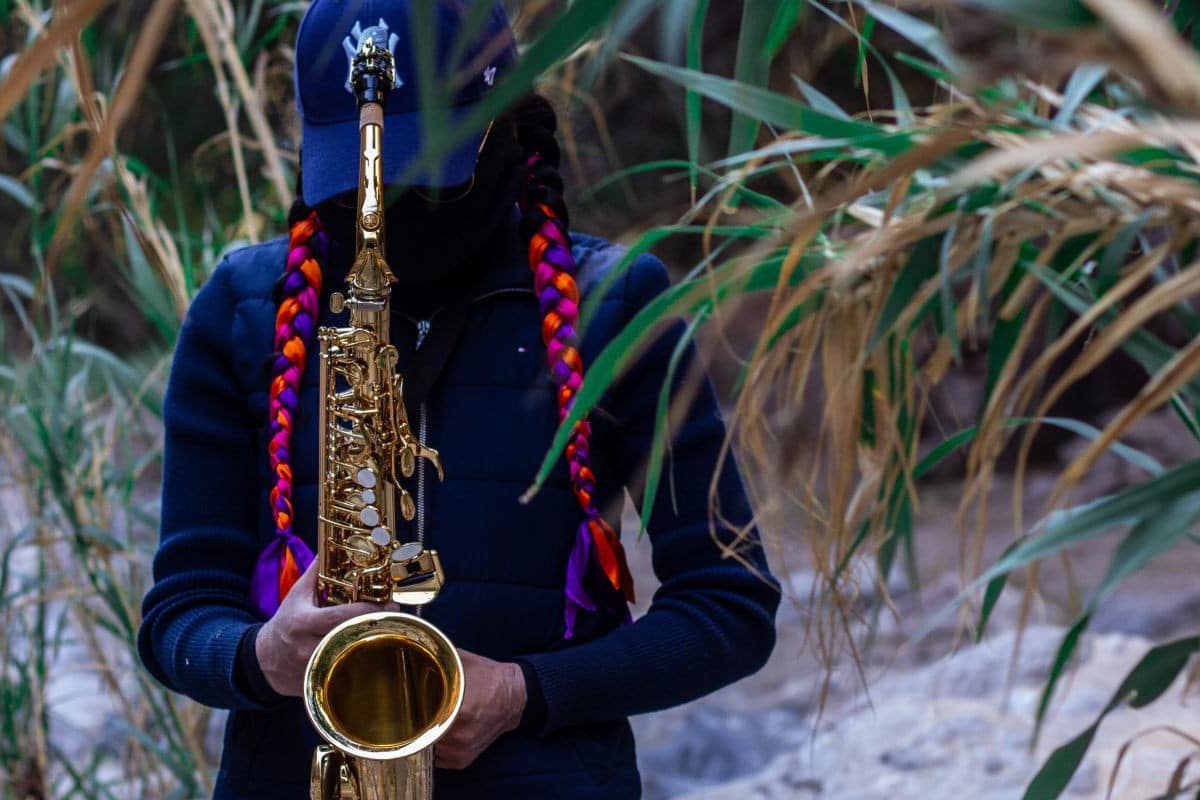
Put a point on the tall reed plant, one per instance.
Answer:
(1036, 204)
(129, 165)
(1042, 208)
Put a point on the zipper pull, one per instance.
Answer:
(423, 327)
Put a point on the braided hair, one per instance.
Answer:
(297, 300)
(608, 586)
(544, 223)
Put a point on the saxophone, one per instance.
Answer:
(383, 687)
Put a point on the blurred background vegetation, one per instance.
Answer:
(864, 202)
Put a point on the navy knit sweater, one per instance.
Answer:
(491, 415)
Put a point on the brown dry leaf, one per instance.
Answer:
(1148, 33)
(1138, 271)
(206, 18)
(152, 35)
(1026, 152)
(220, 16)
(1177, 372)
(38, 57)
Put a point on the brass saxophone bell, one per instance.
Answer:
(381, 688)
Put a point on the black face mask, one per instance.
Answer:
(433, 242)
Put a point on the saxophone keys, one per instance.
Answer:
(408, 462)
(369, 516)
(435, 459)
(386, 359)
(408, 508)
(366, 478)
(416, 574)
(360, 549)
(407, 552)
(381, 536)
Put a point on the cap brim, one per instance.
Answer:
(330, 155)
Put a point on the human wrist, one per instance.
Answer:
(517, 695)
(250, 676)
(533, 717)
(264, 660)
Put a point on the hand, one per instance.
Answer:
(493, 703)
(286, 641)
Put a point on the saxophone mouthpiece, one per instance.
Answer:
(373, 70)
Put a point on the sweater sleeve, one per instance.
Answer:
(197, 612)
(711, 621)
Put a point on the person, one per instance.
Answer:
(537, 593)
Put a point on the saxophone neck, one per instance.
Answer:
(370, 278)
(373, 74)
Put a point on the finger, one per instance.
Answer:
(330, 617)
(468, 658)
(303, 591)
(307, 581)
(335, 615)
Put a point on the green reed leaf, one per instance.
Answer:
(1082, 82)
(662, 424)
(682, 300)
(819, 101)
(917, 31)
(644, 244)
(778, 109)
(752, 66)
(1144, 684)
(19, 192)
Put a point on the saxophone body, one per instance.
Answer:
(383, 687)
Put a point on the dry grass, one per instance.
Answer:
(1014, 196)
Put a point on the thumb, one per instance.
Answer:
(467, 657)
(307, 582)
(303, 592)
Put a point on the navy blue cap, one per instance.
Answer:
(325, 43)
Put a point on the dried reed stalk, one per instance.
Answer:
(141, 59)
(1072, 183)
(211, 32)
(215, 19)
(38, 57)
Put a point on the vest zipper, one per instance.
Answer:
(423, 326)
(422, 429)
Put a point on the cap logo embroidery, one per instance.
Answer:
(355, 37)
(489, 76)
